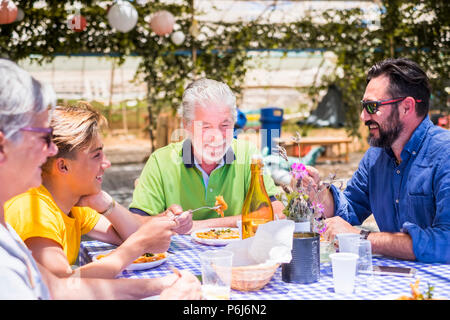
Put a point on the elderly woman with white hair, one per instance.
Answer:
(208, 163)
(25, 144)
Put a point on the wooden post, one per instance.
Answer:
(194, 50)
(123, 104)
(161, 130)
(150, 118)
(111, 89)
(166, 125)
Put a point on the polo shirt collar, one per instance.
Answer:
(188, 155)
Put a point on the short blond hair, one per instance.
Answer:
(74, 128)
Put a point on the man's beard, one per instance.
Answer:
(387, 133)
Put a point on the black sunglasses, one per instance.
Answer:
(372, 106)
(49, 133)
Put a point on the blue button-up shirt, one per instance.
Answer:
(412, 197)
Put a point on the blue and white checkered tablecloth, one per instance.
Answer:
(186, 257)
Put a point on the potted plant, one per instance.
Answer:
(302, 205)
(302, 202)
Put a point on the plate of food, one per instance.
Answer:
(145, 261)
(216, 236)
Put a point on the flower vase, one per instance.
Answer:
(300, 212)
(304, 266)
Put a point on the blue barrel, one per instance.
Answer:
(271, 120)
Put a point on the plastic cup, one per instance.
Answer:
(346, 240)
(364, 268)
(216, 274)
(363, 248)
(344, 271)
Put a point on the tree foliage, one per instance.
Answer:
(415, 29)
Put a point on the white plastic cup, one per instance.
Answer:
(344, 271)
(346, 241)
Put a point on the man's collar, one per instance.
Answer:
(416, 140)
(187, 154)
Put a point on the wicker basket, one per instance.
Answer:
(251, 278)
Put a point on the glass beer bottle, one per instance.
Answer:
(257, 207)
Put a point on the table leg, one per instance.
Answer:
(339, 152)
(346, 152)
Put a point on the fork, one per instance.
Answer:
(205, 207)
(190, 211)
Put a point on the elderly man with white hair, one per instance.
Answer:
(208, 163)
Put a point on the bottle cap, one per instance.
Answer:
(257, 159)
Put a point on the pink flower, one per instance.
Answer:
(322, 230)
(318, 208)
(299, 170)
(298, 167)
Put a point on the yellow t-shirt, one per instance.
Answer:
(35, 214)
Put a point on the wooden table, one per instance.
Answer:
(322, 141)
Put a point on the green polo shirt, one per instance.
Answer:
(171, 177)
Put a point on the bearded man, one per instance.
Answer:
(404, 177)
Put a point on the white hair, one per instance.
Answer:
(203, 91)
(21, 98)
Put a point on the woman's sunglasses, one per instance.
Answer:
(49, 133)
(372, 106)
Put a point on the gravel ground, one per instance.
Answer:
(341, 169)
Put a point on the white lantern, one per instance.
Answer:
(8, 12)
(162, 22)
(178, 37)
(122, 16)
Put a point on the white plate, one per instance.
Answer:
(213, 242)
(137, 266)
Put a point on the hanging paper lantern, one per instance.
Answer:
(8, 12)
(77, 23)
(177, 37)
(122, 16)
(162, 23)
